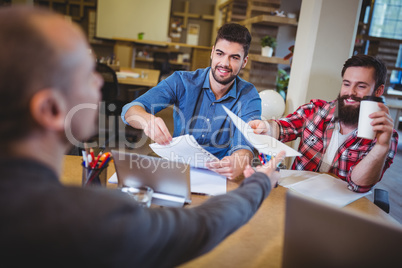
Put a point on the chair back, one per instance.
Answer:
(161, 63)
(110, 88)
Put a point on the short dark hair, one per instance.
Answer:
(362, 60)
(28, 63)
(234, 32)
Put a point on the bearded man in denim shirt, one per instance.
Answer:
(198, 98)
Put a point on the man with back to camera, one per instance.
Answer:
(198, 98)
(45, 223)
(328, 130)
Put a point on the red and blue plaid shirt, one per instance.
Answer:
(314, 124)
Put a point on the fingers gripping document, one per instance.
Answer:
(184, 149)
(263, 143)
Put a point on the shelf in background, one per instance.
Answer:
(272, 60)
(159, 43)
(270, 20)
(174, 62)
(144, 59)
(393, 68)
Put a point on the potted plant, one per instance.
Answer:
(282, 82)
(268, 43)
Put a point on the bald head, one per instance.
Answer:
(38, 50)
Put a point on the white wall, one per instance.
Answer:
(324, 40)
(127, 18)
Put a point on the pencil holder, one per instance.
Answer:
(94, 176)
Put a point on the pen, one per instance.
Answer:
(85, 158)
(97, 159)
(89, 158)
(262, 161)
(105, 160)
(91, 151)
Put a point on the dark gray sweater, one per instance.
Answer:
(46, 224)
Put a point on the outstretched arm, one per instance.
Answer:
(154, 127)
(268, 127)
(233, 165)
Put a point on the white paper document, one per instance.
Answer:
(184, 149)
(289, 177)
(205, 181)
(323, 187)
(263, 143)
(202, 181)
(127, 74)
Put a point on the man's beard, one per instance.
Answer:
(223, 81)
(347, 114)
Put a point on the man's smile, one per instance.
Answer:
(351, 101)
(222, 70)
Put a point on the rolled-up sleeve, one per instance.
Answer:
(157, 98)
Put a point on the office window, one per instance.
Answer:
(396, 76)
(387, 19)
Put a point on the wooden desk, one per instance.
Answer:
(151, 77)
(259, 243)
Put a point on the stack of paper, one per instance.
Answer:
(323, 187)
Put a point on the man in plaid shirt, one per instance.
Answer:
(328, 130)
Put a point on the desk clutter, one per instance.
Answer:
(94, 167)
(111, 61)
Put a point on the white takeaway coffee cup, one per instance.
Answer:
(368, 105)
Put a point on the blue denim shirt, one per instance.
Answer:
(198, 113)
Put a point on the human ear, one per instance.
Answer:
(48, 109)
(245, 62)
(212, 51)
(379, 91)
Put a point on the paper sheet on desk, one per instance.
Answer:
(323, 187)
(202, 181)
(127, 74)
(207, 182)
(184, 149)
(263, 143)
(289, 177)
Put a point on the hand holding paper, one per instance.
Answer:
(263, 143)
(184, 149)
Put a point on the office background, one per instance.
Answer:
(327, 33)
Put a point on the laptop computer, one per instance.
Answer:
(169, 180)
(318, 235)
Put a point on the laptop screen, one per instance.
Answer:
(318, 235)
(169, 180)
